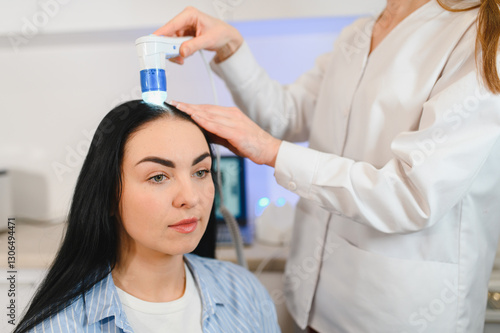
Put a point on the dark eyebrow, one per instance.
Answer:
(158, 160)
(200, 158)
(169, 163)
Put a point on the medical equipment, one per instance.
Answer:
(153, 51)
(234, 191)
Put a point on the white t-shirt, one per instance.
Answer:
(182, 315)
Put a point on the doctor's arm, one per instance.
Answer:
(431, 171)
(284, 111)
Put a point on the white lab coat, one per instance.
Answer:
(399, 215)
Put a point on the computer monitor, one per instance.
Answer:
(234, 194)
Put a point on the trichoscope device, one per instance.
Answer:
(153, 51)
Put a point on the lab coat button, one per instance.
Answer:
(292, 186)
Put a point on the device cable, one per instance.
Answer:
(229, 219)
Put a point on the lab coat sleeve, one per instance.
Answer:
(284, 111)
(432, 167)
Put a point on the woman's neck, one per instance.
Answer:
(150, 277)
(398, 10)
(395, 12)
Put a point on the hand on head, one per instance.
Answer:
(209, 34)
(233, 129)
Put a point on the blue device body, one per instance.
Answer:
(153, 79)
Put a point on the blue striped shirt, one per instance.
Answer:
(233, 300)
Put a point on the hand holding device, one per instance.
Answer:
(209, 34)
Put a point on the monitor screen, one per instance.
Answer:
(233, 188)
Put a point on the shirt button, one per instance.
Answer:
(292, 186)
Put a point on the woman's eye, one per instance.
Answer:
(201, 173)
(158, 178)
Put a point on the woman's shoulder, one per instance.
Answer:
(239, 292)
(69, 319)
(222, 282)
(84, 313)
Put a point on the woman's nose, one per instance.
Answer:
(187, 194)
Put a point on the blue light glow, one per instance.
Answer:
(155, 97)
(280, 202)
(264, 202)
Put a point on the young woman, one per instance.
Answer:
(142, 201)
(397, 226)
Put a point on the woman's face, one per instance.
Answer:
(167, 190)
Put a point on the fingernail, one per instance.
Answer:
(195, 116)
(172, 102)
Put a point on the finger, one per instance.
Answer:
(208, 117)
(183, 20)
(220, 126)
(190, 109)
(214, 119)
(214, 123)
(178, 60)
(201, 42)
(207, 111)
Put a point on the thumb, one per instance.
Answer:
(166, 30)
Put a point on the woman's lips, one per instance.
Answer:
(185, 226)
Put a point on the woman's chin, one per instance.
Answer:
(184, 247)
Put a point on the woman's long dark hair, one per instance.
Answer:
(89, 249)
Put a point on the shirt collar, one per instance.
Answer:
(206, 281)
(102, 302)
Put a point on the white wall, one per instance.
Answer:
(96, 15)
(57, 86)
